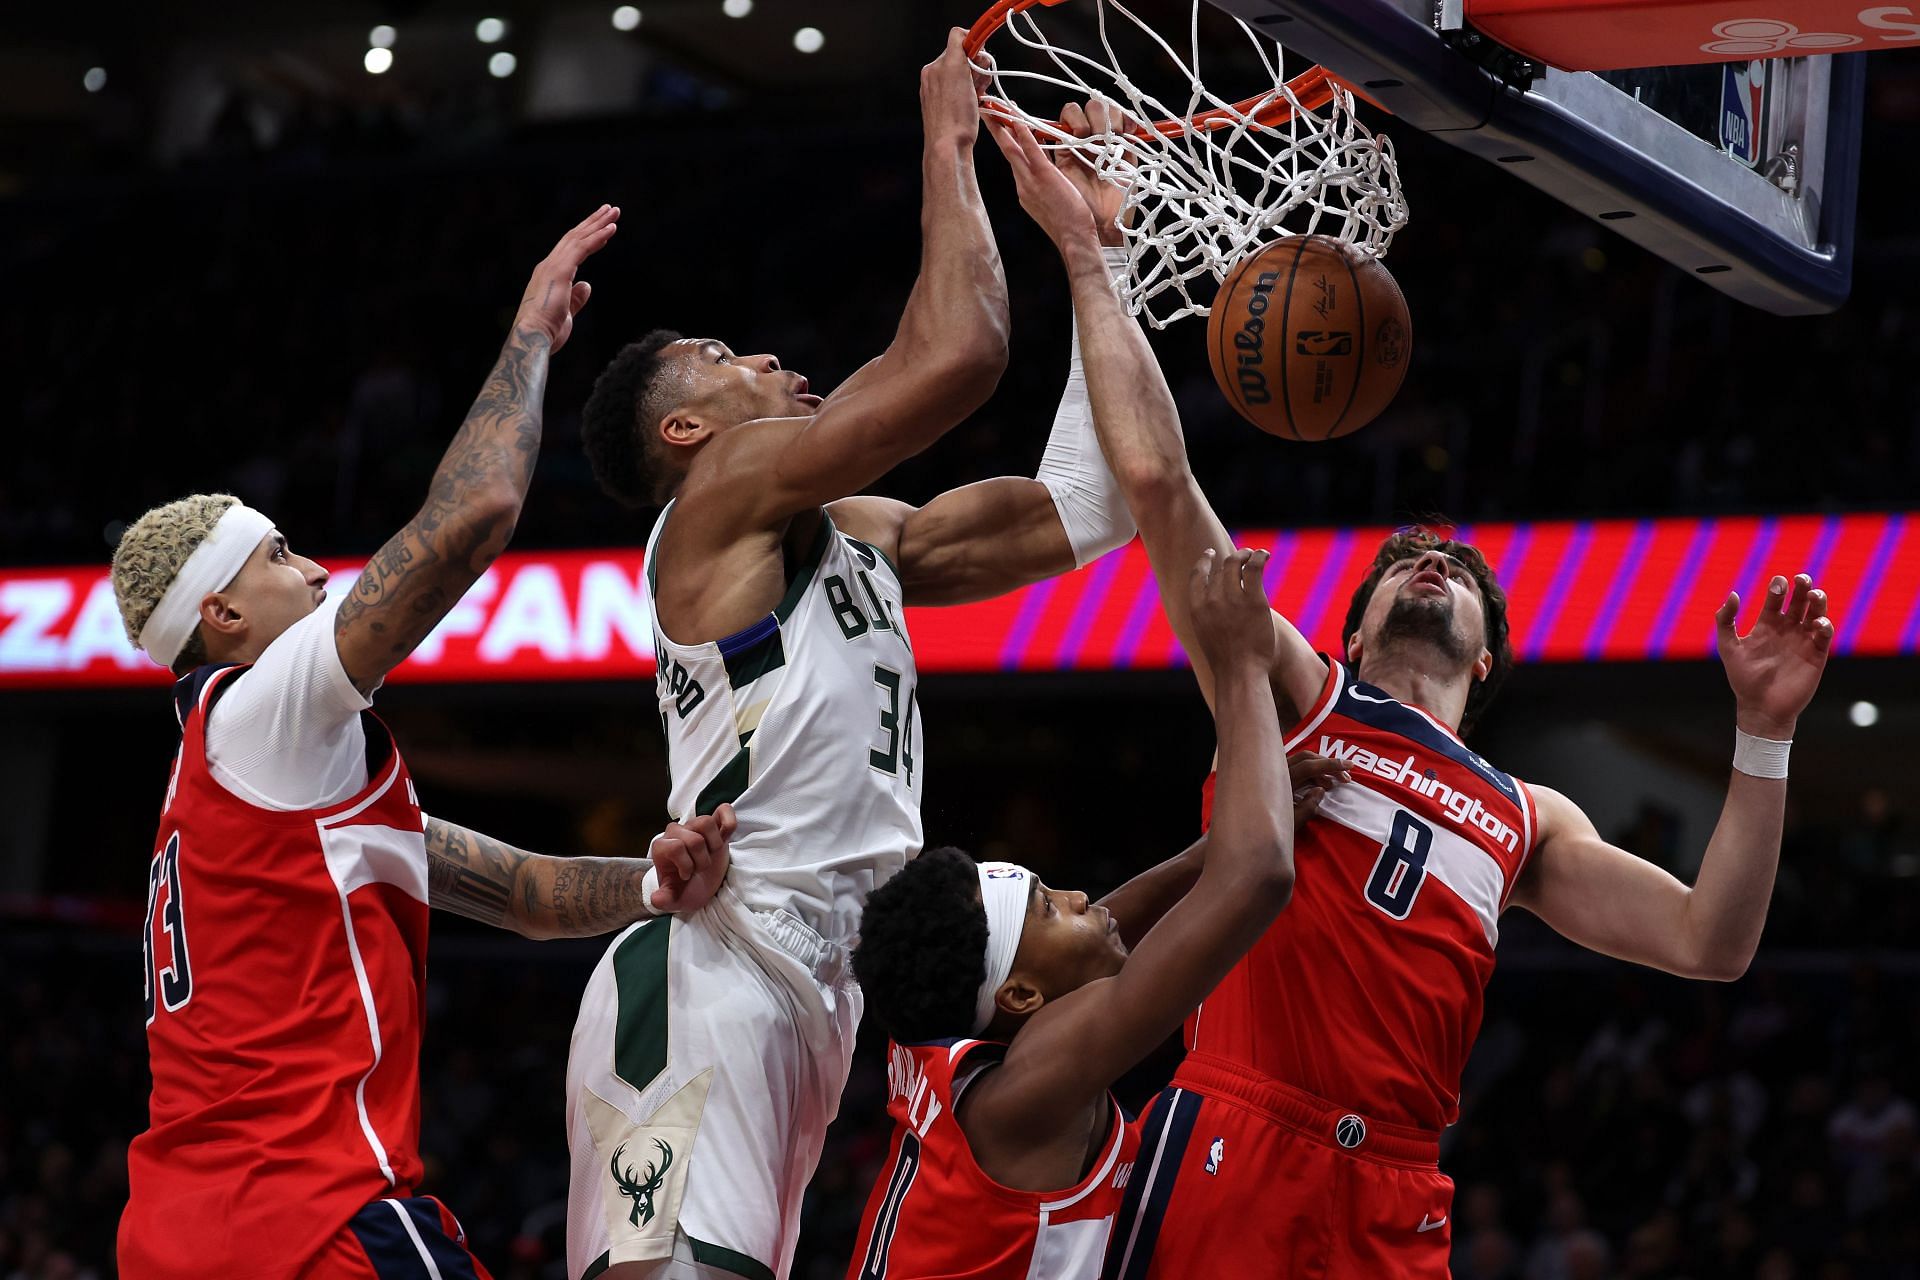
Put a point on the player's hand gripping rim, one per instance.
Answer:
(691, 860)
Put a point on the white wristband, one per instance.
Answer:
(1760, 757)
(1118, 261)
(648, 884)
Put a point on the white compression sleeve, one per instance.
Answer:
(1092, 509)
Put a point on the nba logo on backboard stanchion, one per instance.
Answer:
(1743, 98)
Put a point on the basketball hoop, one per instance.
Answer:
(1211, 182)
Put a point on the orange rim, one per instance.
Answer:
(1312, 88)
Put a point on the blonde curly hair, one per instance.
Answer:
(150, 555)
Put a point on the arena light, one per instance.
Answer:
(1580, 591)
(382, 36)
(626, 18)
(501, 65)
(809, 39)
(378, 59)
(1864, 715)
(489, 30)
(95, 80)
(736, 8)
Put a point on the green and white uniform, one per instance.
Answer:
(725, 1038)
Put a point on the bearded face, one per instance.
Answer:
(1425, 620)
(1426, 602)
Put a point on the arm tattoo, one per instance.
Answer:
(470, 874)
(596, 895)
(417, 576)
(488, 880)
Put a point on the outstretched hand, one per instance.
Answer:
(553, 296)
(1775, 668)
(950, 88)
(1231, 618)
(691, 859)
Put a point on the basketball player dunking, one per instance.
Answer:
(709, 1053)
(287, 897)
(1321, 1071)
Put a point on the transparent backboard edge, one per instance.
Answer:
(1597, 150)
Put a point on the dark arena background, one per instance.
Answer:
(233, 257)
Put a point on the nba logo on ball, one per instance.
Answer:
(1350, 1132)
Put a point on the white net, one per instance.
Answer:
(1200, 197)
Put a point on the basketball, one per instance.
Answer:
(1309, 338)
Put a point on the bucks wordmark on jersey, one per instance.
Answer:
(808, 724)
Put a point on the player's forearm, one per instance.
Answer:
(472, 506)
(484, 475)
(1139, 431)
(1727, 907)
(533, 894)
(956, 321)
(1132, 408)
(1250, 842)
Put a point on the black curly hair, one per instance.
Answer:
(631, 464)
(922, 953)
(1415, 541)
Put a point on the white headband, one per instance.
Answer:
(212, 566)
(1004, 891)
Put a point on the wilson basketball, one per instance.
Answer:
(1309, 338)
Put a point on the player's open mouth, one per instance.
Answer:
(811, 401)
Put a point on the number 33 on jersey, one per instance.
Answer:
(808, 724)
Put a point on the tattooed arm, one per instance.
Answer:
(474, 501)
(538, 896)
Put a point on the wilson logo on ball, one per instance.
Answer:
(1248, 343)
(1309, 337)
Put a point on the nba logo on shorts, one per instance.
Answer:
(1350, 1132)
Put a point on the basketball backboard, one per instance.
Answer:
(1743, 173)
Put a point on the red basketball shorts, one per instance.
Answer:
(398, 1239)
(1239, 1175)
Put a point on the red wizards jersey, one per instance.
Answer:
(1367, 990)
(935, 1215)
(285, 960)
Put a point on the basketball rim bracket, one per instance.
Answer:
(1758, 202)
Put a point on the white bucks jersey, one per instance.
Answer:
(806, 723)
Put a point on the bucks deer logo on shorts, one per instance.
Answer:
(640, 1189)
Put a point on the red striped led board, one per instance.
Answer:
(1580, 591)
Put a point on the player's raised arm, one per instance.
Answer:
(1610, 901)
(1133, 409)
(540, 896)
(474, 500)
(945, 358)
(1076, 1046)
